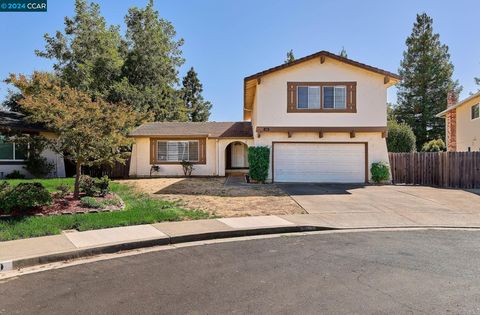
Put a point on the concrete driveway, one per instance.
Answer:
(346, 205)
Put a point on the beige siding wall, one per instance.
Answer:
(377, 148)
(215, 166)
(140, 161)
(271, 96)
(468, 130)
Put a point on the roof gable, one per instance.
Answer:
(251, 81)
(473, 97)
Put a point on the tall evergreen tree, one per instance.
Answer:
(198, 109)
(88, 54)
(343, 53)
(151, 66)
(426, 73)
(290, 56)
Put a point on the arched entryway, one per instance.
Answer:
(236, 156)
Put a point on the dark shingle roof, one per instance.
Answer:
(16, 121)
(211, 129)
(326, 54)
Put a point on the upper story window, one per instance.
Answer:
(321, 97)
(10, 151)
(308, 97)
(475, 111)
(335, 97)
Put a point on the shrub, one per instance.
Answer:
(38, 166)
(4, 186)
(62, 191)
(94, 186)
(434, 146)
(400, 137)
(103, 185)
(187, 168)
(24, 196)
(380, 172)
(88, 185)
(90, 202)
(15, 175)
(259, 161)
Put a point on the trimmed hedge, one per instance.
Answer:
(259, 163)
(380, 172)
(400, 137)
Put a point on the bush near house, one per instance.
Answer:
(400, 137)
(187, 167)
(436, 145)
(380, 172)
(259, 163)
(15, 175)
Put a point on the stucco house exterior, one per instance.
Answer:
(13, 155)
(462, 123)
(323, 117)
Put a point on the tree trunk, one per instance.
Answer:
(76, 191)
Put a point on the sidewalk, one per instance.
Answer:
(74, 244)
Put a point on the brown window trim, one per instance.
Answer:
(202, 142)
(292, 97)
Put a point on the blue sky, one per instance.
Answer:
(228, 40)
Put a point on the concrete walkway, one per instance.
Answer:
(74, 244)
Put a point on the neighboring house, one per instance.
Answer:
(462, 123)
(323, 116)
(12, 155)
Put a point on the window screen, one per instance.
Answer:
(177, 151)
(308, 97)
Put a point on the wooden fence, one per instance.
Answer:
(443, 169)
(116, 171)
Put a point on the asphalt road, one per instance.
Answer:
(414, 272)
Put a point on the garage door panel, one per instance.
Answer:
(319, 162)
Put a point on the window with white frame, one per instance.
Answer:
(10, 151)
(475, 111)
(334, 97)
(308, 97)
(177, 151)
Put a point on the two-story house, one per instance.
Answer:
(323, 117)
(462, 123)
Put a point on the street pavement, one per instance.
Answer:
(375, 272)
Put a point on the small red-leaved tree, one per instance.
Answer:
(87, 131)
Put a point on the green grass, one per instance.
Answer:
(139, 209)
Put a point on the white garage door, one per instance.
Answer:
(319, 162)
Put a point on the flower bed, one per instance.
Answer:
(26, 199)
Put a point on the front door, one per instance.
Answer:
(238, 155)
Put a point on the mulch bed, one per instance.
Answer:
(68, 205)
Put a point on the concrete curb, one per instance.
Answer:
(114, 248)
(170, 240)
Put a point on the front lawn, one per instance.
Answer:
(139, 209)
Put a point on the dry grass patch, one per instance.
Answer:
(211, 194)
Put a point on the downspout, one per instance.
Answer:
(217, 171)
